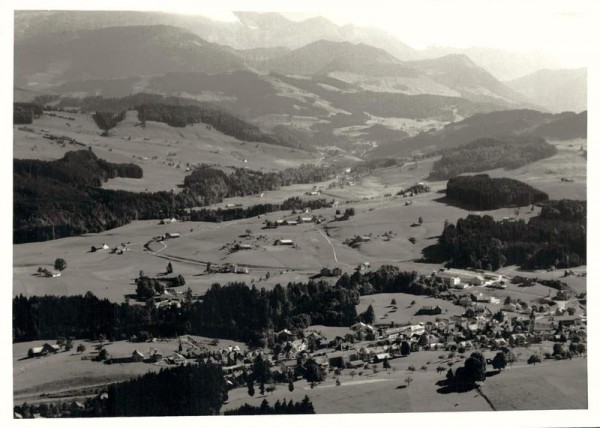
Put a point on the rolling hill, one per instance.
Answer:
(561, 126)
(555, 90)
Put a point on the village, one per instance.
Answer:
(526, 331)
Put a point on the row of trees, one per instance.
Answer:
(304, 407)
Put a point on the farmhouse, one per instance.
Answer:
(42, 351)
(99, 247)
(137, 356)
(283, 242)
(305, 219)
(175, 358)
(172, 235)
(237, 247)
(429, 310)
(336, 271)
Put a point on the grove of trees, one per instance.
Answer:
(556, 237)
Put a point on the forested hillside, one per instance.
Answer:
(64, 198)
(490, 153)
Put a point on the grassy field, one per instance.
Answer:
(551, 385)
(406, 311)
(385, 391)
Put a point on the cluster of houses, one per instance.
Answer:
(119, 249)
(305, 218)
(357, 240)
(227, 268)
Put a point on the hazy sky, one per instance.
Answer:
(556, 27)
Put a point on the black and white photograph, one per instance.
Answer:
(299, 208)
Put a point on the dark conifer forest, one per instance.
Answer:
(555, 238)
(480, 192)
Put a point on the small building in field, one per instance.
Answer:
(51, 273)
(172, 235)
(336, 271)
(238, 247)
(429, 310)
(283, 242)
(137, 356)
(42, 351)
(175, 358)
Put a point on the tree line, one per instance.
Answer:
(303, 407)
(218, 215)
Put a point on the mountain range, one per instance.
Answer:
(338, 82)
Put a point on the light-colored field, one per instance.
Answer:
(405, 312)
(551, 385)
(162, 151)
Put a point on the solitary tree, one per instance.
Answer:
(368, 316)
(420, 220)
(107, 120)
(500, 361)
(60, 264)
(405, 348)
(81, 348)
(169, 268)
(408, 380)
(386, 363)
